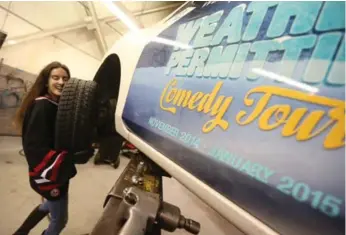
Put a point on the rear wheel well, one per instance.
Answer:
(108, 78)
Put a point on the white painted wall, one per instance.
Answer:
(34, 55)
(81, 53)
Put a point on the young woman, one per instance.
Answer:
(49, 170)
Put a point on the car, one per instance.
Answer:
(244, 104)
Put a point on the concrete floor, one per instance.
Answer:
(87, 193)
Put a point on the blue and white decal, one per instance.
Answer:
(255, 109)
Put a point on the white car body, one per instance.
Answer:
(129, 50)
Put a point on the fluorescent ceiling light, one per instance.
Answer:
(284, 79)
(134, 27)
(121, 15)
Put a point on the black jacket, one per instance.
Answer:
(49, 170)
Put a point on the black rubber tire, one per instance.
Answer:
(76, 115)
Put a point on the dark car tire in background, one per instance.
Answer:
(76, 116)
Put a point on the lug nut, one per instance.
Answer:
(131, 198)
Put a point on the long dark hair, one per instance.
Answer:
(39, 88)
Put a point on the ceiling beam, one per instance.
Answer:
(110, 19)
(80, 25)
(114, 29)
(41, 29)
(44, 33)
(129, 14)
(100, 39)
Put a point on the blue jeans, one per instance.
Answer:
(59, 215)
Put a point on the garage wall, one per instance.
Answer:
(78, 49)
(33, 56)
(14, 83)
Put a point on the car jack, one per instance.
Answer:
(134, 206)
